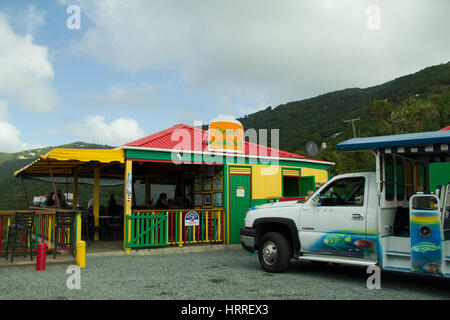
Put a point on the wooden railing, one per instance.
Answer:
(156, 228)
(43, 229)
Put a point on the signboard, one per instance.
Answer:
(240, 192)
(191, 219)
(226, 134)
(129, 187)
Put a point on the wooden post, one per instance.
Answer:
(25, 192)
(147, 190)
(78, 231)
(75, 191)
(53, 184)
(96, 209)
(128, 185)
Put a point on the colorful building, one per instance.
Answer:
(218, 187)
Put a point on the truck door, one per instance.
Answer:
(426, 234)
(335, 224)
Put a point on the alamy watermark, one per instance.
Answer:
(74, 280)
(74, 20)
(373, 21)
(194, 149)
(374, 280)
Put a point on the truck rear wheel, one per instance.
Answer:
(274, 252)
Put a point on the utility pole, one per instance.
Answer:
(353, 125)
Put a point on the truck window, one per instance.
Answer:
(420, 181)
(344, 192)
(424, 203)
(400, 178)
(409, 179)
(389, 177)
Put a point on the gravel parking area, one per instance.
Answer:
(220, 274)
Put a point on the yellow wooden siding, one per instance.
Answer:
(321, 175)
(240, 170)
(266, 182)
(291, 172)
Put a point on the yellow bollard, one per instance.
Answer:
(81, 254)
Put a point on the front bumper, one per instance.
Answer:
(248, 236)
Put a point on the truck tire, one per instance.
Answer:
(274, 252)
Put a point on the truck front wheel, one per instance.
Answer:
(274, 252)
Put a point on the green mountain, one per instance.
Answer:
(12, 191)
(412, 103)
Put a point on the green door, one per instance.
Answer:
(240, 195)
(306, 184)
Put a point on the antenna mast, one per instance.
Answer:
(353, 125)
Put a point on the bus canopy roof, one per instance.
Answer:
(433, 141)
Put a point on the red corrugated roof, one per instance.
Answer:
(199, 141)
(446, 128)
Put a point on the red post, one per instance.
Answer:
(41, 256)
(43, 229)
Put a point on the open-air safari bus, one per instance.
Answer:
(413, 223)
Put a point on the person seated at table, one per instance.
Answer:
(59, 194)
(162, 202)
(187, 203)
(62, 202)
(49, 202)
(112, 205)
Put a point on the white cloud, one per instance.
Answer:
(32, 19)
(4, 114)
(25, 20)
(96, 129)
(10, 138)
(9, 135)
(126, 95)
(25, 71)
(51, 131)
(263, 51)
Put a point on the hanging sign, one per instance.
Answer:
(129, 187)
(191, 219)
(226, 134)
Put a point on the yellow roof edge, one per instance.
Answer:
(82, 155)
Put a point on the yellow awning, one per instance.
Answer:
(64, 161)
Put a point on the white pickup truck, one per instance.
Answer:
(387, 217)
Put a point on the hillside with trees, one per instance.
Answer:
(413, 103)
(11, 189)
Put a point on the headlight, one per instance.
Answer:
(251, 209)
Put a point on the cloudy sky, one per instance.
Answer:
(135, 67)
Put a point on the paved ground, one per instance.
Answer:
(219, 274)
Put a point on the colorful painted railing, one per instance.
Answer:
(157, 228)
(43, 230)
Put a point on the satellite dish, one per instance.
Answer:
(312, 149)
